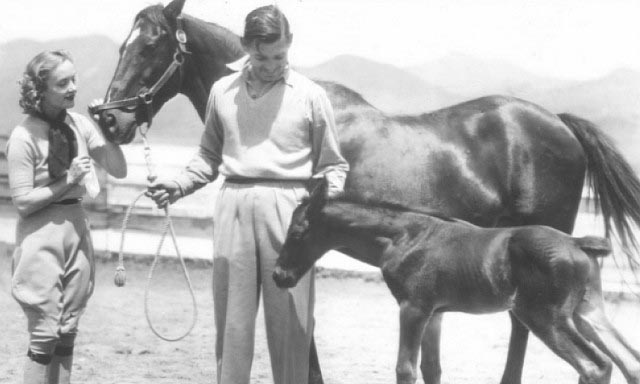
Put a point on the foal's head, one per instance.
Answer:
(306, 239)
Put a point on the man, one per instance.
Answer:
(268, 130)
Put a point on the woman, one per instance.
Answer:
(268, 130)
(50, 168)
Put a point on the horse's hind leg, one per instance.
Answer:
(430, 347)
(593, 323)
(412, 325)
(560, 334)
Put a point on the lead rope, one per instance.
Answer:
(120, 275)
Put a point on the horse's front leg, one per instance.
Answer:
(412, 324)
(517, 349)
(430, 361)
(315, 374)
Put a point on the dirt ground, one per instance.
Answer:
(356, 333)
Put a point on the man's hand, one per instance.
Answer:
(163, 192)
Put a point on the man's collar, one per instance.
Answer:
(243, 65)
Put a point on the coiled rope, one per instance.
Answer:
(120, 275)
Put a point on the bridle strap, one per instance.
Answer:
(146, 98)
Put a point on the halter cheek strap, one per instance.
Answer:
(146, 98)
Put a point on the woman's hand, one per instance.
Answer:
(79, 167)
(163, 192)
(92, 104)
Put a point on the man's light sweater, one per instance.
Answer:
(289, 133)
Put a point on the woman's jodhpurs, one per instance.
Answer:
(53, 273)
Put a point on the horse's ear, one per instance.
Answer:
(318, 195)
(173, 9)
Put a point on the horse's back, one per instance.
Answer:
(482, 160)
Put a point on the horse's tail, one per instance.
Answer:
(613, 181)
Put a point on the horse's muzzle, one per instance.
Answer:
(117, 126)
(283, 278)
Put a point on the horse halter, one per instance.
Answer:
(146, 98)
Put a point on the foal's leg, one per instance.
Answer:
(430, 349)
(517, 349)
(559, 333)
(593, 323)
(412, 324)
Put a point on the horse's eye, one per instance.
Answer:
(147, 50)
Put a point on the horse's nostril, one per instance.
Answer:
(109, 120)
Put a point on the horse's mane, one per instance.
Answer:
(153, 13)
(224, 36)
(342, 93)
(217, 38)
(218, 34)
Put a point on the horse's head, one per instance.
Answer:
(148, 72)
(306, 239)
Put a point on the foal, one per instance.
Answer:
(549, 280)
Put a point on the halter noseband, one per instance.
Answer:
(146, 98)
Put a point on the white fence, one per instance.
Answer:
(192, 215)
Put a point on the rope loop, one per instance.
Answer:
(120, 275)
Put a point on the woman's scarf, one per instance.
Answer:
(63, 145)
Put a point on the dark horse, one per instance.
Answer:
(491, 161)
(549, 280)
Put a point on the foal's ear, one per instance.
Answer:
(318, 195)
(173, 9)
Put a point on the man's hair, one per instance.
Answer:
(266, 24)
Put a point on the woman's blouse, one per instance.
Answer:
(28, 148)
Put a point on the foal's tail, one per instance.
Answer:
(613, 181)
(594, 246)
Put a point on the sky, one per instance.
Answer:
(572, 39)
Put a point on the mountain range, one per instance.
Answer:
(612, 101)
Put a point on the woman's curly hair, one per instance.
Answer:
(34, 79)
